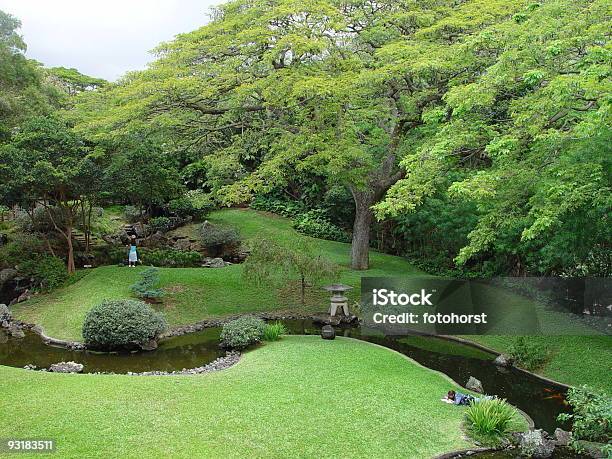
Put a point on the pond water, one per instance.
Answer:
(542, 401)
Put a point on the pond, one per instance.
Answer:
(542, 401)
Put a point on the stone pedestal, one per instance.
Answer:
(338, 302)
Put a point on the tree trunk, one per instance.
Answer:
(70, 262)
(360, 245)
(303, 290)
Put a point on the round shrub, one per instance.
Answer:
(117, 324)
(242, 332)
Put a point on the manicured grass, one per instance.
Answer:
(298, 397)
(194, 294)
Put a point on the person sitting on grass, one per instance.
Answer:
(457, 398)
(133, 255)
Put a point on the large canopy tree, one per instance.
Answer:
(270, 89)
(532, 129)
(45, 164)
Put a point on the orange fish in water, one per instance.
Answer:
(555, 396)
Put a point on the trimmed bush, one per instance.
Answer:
(145, 286)
(218, 240)
(116, 324)
(489, 420)
(273, 332)
(242, 332)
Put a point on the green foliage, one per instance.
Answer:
(22, 247)
(592, 416)
(212, 236)
(171, 258)
(145, 286)
(316, 224)
(162, 224)
(132, 214)
(49, 272)
(283, 207)
(527, 354)
(116, 324)
(273, 332)
(273, 262)
(489, 420)
(192, 204)
(242, 332)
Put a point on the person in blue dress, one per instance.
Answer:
(133, 254)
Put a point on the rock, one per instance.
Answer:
(214, 263)
(336, 320)
(5, 314)
(536, 444)
(503, 360)
(474, 385)
(66, 367)
(328, 332)
(149, 346)
(182, 244)
(25, 296)
(7, 274)
(15, 331)
(562, 437)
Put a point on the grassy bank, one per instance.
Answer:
(573, 360)
(193, 294)
(299, 397)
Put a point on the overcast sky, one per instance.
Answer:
(103, 38)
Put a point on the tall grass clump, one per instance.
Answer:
(489, 420)
(273, 332)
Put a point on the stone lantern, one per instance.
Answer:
(338, 300)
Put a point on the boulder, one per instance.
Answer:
(536, 444)
(5, 314)
(15, 331)
(504, 360)
(66, 367)
(475, 385)
(562, 437)
(25, 296)
(7, 274)
(149, 346)
(182, 244)
(328, 332)
(214, 263)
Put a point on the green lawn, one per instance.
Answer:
(575, 360)
(194, 294)
(299, 397)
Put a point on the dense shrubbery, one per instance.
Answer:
(162, 224)
(489, 420)
(144, 287)
(215, 237)
(132, 214)
(528, 355)
(279, 206)
(313, 222)
(121, 323)
(20, 248)
(316, 224)
(591, 419)
(242, 332)
(48, 272)
(273, 332)
(171, 258)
